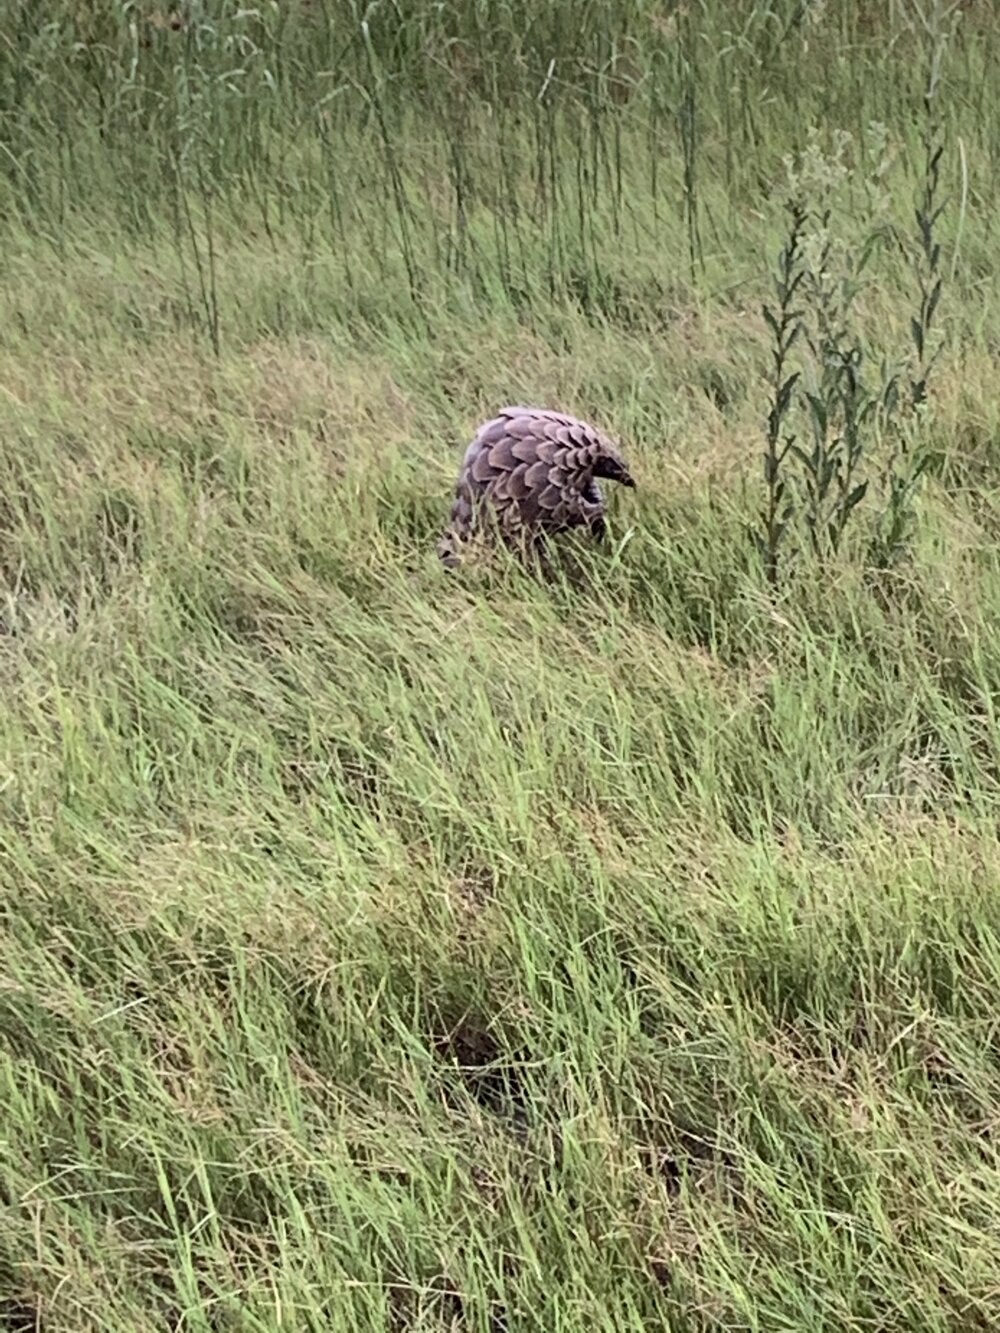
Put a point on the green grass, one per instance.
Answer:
(384, 949)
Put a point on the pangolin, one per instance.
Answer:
(529, 473)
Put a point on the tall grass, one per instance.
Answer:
(590, 130)
(386, 950)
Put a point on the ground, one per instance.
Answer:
(388, 947)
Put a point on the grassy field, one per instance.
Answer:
(387, 948)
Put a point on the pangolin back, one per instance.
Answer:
(531, 471)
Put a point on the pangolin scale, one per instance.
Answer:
(528, 473)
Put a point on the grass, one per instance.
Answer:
(385, 949)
